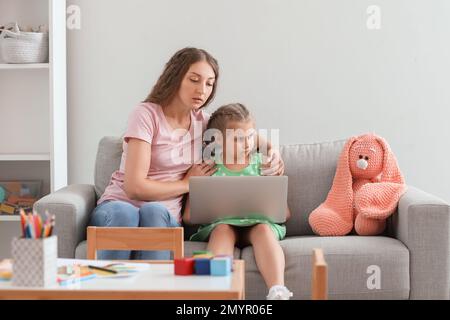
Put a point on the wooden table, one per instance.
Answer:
(156, 282)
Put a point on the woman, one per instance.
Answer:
(148, 188)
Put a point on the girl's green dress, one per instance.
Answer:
(253, 169)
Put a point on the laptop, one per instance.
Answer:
(212, 198)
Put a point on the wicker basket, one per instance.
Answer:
(23, 47)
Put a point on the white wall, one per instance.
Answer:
(308, 67)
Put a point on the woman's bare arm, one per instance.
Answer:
(137, 185)
(275, 165)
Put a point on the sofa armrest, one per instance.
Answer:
(72, 207)
(422, 224)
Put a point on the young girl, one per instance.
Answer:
(257, 231)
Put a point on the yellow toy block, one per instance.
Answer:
(203, 256)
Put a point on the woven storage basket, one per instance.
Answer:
(23, 47)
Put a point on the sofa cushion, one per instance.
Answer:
(311, 169)
(108, 159)
(81, 250)
(349, 261)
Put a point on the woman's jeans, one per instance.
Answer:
(124, 214)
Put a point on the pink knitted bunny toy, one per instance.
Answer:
(366, 189)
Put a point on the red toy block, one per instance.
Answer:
(184, 266)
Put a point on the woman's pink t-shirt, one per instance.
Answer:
(173, 152)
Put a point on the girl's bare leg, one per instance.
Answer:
(268, 253)
(222, 240)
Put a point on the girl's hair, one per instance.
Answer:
(230, 112)
(170, 80)
(220, 118)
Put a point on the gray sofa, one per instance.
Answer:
(410, 261)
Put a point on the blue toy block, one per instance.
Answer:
(220, 266)
(227, 256)
(202, 266)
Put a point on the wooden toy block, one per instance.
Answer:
(202, 266)
(227, 256)
(184, 266)
(201, 252)
(221, 266)
(224, 256)
(203, 256)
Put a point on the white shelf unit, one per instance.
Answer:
(25, 157)
(6, 218)
(6, 66)
(33, 111)
(33, 96)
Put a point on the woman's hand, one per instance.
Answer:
(274, 166)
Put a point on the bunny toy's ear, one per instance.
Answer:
(391, 171)
(334, 217)
(341, 192)
(379, 200)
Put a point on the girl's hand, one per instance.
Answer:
(274, 165)
(200, 170)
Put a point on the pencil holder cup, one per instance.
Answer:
(34, 262)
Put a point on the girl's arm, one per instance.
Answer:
(138, 187)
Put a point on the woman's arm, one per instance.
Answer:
(138, 187)
(275, 165)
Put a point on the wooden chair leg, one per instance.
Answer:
(91, 243)
(178, 251)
